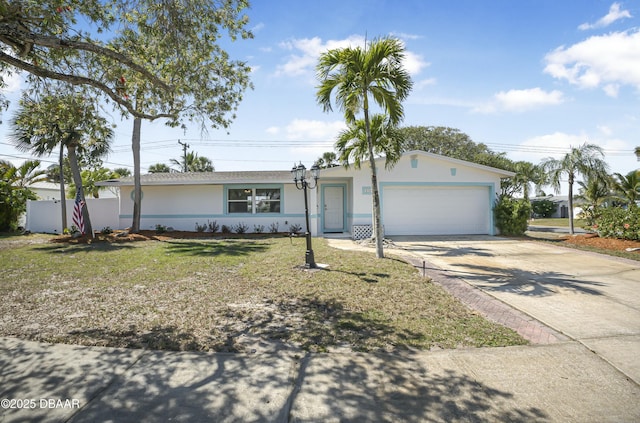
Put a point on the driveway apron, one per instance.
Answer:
(591, 298)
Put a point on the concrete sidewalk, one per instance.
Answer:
(561, 382)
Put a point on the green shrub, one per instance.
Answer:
(226, 229)
(616, 222)
(160, 229)
(295, 228)
(543, 208)
(106, 230)
(258, 229)
(273, 228)
(590, 216)
(213, 226)
(511, 215)
(13, 202)
(240, 228)
(200, 228)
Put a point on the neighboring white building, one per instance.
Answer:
(51, 191)
(423, 194)
(562, 205)
(46, 190)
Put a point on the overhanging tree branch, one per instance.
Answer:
(14, 33)
(81, 80)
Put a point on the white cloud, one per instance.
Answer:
(611, 89)
(272, 130)
(614, 14)
(605, 130)
(521, 100)
(305, 53)
(258, 27)
(414, 63)
(418, 85)
(558, 144)
(405, 36)
(610, 60)
(314, 130)
(554, 145)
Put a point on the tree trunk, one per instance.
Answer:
(137, 187)
(77, 179)
(377, 221)
(63, 196)
(571, 204)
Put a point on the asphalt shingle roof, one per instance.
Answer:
(202, 178)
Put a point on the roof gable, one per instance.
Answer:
(269, 176)
(503, 173)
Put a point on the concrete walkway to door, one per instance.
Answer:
(591, 298)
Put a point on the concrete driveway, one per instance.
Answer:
(591, 298)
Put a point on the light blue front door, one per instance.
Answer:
(333, 208)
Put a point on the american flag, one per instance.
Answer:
(78, 220)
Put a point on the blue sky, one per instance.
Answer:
(528, 77)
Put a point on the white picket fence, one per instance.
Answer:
(45, 216)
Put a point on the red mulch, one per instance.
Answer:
(592, 240)
(119, 236)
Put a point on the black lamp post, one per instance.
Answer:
(299, 174)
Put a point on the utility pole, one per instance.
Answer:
(184, 155)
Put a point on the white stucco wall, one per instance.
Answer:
(182, 206)
(417, 170)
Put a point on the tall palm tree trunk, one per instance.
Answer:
(77, 179)
(377, 221)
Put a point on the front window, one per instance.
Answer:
(253, 200)
(267, 200)
(240, 201)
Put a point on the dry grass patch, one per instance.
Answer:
(229, 295)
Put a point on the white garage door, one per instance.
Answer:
(435, 210)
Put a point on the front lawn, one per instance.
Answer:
(227, 295)
(557, 222)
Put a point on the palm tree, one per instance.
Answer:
(89, 179)
(628, 186)
(353, 147)
(586, 160)
(159, 168)
(65, 120)
(526, 174)
(357, 75)
(595, 192)
(191, 162)
(14, 190)
(327, 160)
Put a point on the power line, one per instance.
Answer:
(248, 143)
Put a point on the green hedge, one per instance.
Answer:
(543, 208)
(511, 215)
(616, 222)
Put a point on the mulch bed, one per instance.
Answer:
(593, 240)
(123, 236)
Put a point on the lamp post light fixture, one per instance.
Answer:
(300, 176)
